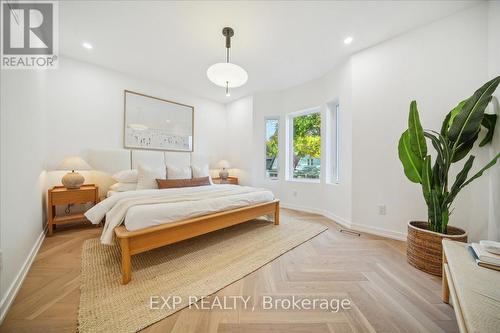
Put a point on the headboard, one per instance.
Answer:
(107, 162)
(110, 161)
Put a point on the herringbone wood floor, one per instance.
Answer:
(387, 294)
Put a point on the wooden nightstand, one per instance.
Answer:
(230, 180)
(59, 195)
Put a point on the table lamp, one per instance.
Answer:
(73, 180)
(224, 165)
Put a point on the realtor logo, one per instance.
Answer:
(29, 34)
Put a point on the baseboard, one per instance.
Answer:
(348, 224)
(9, 297)
(337, 219)
(379, 231)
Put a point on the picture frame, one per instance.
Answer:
(154, 123)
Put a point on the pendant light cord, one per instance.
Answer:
(228, 45)
(227, 32)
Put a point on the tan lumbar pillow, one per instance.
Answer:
(175, 183)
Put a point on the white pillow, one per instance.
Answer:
(146, 177)
(174, 172)
(126, 176)
(200, 171)
(123, 187)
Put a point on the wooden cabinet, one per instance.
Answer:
(61, 196)
(230, 180)
(473, 289)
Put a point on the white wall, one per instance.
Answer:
(494, 70)
(236, 143)
(22, 175)
(432, 66)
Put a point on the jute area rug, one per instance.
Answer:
(197, 267)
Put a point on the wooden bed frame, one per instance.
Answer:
(134, 242)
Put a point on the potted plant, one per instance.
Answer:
(459, 132)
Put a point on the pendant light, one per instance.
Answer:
(226, 74)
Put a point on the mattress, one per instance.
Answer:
(147, 208)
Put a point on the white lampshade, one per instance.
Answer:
(224, 164)
(223, 72)
(74, 163)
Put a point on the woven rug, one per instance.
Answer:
(195, 267)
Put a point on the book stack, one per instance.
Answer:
(485, 258)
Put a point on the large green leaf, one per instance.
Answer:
(464, 148)
(459, 180)
(445, 125)
(439, 143)
(445, 216)
(451, 116)
(427, 179)
(412, 163)
(439, 171)
(435, 213)
(480, 172)
(489, 122)
(417, 139)
(467, 122)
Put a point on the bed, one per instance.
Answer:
(143, 220)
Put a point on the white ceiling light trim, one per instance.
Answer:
(226, 74)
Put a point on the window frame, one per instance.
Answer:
(289, 145)
(266, 119)
(333, 148)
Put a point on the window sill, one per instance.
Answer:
(304, 180)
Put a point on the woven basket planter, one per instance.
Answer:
(424, 249)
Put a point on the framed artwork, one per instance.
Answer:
(157, 124)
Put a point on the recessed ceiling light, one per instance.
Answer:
(348, 40)
(87, 45)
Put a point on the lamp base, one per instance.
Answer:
(72, 180)
(223, 174)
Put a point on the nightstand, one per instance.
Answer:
(230, 180)
(60, 195)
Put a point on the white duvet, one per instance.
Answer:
(146, 208)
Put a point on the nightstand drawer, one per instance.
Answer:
(229, 180)
(73, 196)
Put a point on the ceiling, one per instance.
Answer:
(280, 44)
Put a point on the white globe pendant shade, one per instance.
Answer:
(223, 72)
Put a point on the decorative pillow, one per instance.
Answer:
(174, 183)
(126, 176)
(174, 172)
(200, 171)
(123, 187)
(146, 177)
